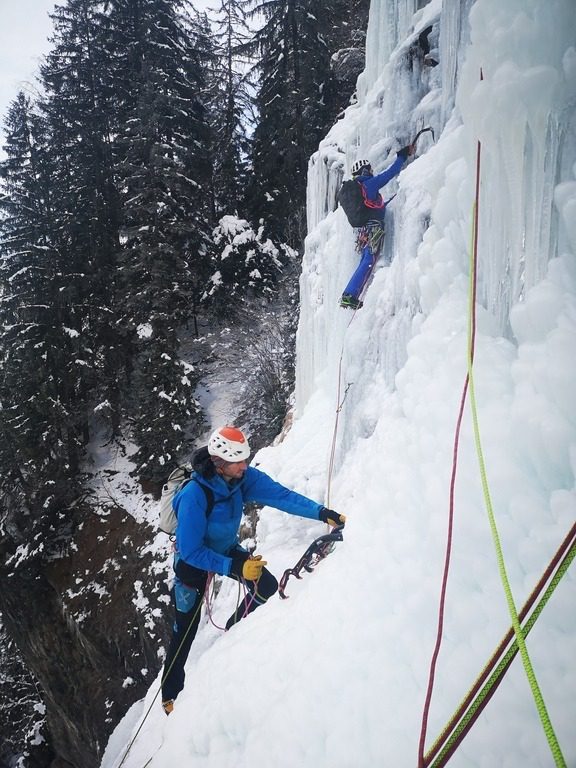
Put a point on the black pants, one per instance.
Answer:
(256, 594)
(187, 603)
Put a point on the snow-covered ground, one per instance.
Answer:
(336, 676)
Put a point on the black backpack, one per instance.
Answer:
(351, 199)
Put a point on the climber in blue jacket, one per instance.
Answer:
(365, 207)
(207, 540)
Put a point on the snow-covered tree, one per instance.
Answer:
(231, 104)
(246, 265)
(163, 407)
(78, 108)
(24, 740)
(42, 380)
(295, 101)
(163, 170)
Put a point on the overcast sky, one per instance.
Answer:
(24, 30)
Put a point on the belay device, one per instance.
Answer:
(317, 551)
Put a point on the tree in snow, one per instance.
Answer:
(23, 733)
(231, 105)
(162, 164)
(79, 106)
(246, 265)
(43, 376)
(165, 415)
(295, 101)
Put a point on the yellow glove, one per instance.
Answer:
(252, 568)
(331, 517)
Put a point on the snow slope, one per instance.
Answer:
(336, 676)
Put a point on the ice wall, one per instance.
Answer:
(523, 113)
(386, 385)
(397, 97)
(392, 373)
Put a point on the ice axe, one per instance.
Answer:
(412, 144)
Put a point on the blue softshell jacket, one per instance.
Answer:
(373, 184)
(203, 541)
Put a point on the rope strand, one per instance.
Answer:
(530, 674)
(485, 694)
(130, 745)
(339, 404)
(471, 343)
(468, 711)
(528, 668)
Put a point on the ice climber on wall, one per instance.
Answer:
(365, 208)
(207, 540)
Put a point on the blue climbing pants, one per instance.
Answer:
(369, 242)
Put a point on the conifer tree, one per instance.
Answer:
(231, 105)
(246, 266)
(78, 107)
(297, 101)
(292, 64)
(163, 169)
(24, 737)
(42, 408)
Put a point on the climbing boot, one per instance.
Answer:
(168, 706)
(350, 302)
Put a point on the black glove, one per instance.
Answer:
(238, 559)
(331, 517)
(406, 151)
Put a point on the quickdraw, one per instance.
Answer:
(318, 550)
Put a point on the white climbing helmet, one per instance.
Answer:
(359, 165)
(229, 443)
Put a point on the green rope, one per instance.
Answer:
(496, 677)
(537, 694)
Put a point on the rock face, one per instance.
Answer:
(89, 622)
(347, 64)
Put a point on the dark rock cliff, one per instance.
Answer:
(89, 621)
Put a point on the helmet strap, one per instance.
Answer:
(218, 462)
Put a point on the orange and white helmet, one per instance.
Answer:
(229, 443)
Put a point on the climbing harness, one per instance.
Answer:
(318, 550)
(371, 235)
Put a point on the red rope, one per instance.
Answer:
(443, 589)
(209, 600)
(426, 712)
(561, 555)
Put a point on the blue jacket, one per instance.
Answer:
(372, 184)
(203, 541)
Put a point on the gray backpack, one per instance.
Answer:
(177, 479)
